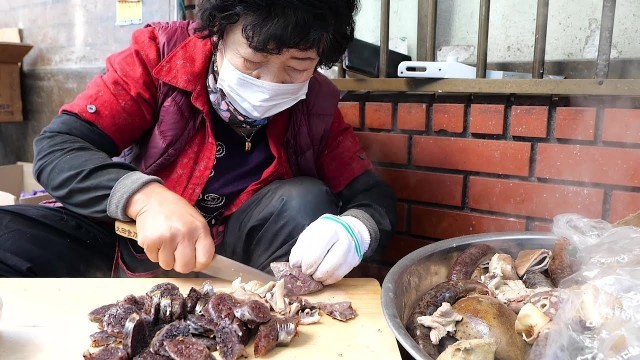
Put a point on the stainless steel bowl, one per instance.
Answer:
(420, 270)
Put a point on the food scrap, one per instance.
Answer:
(296, 282)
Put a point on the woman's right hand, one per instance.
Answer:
(170, 230)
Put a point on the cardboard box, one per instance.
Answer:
(12, 51)
(631, 220)
(16, 179)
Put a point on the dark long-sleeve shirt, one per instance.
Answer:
(73, 161)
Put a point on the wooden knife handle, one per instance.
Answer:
(127, 229)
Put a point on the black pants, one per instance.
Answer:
(43, 241)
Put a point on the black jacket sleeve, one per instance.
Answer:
(73, 162)
(368, 193)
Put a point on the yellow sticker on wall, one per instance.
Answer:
(128, 12)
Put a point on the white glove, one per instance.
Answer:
(330, 247)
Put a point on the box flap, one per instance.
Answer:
(11, 179)
(7, 199)
(11, 35)
(29, 184)
(16, 179)
(631, 220)
(34, 200)
(11, 53)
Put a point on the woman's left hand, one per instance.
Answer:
(330, 247)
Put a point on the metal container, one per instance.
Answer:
(420, 270)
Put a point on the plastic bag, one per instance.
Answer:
(600, 310)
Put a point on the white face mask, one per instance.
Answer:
(257, 98)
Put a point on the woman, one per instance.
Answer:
(216, 137)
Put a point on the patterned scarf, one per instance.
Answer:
(225, 108)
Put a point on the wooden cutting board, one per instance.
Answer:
(47, 319)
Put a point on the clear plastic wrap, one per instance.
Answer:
(600, 308)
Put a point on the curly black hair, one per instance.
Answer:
(271, 26)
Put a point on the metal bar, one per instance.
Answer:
(341, 70)
(575, 69)
(542, 15)
(606, 33)
(177, 11)
(625, 87)
(483, 39)
(190, 8)
(427, 18)
(384, 38)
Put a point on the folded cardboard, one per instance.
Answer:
(12, 51)
(631, 220)
(18, 179)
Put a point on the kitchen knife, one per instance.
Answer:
(221, 267)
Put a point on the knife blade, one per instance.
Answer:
(220, 267)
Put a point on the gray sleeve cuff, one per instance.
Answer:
(371, 226)
(124, 189)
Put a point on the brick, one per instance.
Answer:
(575, 123)
(389, 148)
(412, 116)
(401, 217)
(589, 164)
(623, 204)
(401, 246)
(377, 115)
(446, 224)
(351, 113)
(491, 156)
(529, 121)
(621, 125)
(533, 199)
(541, 226)
(449, 117)
(424, 186)
(486, 119)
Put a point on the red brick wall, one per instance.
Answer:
(464, 165)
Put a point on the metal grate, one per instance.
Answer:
(427, 15)
(625, 80)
